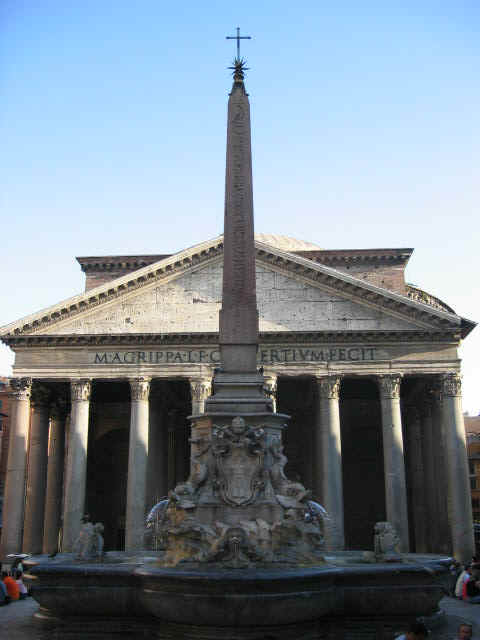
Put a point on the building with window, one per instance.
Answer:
(4, 416)
(472, 429)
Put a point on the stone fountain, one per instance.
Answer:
(242, 545)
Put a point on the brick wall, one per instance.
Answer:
(388, 276)
(4, 420)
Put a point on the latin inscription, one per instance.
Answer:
(264, 356)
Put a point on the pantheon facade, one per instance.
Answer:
(366, 365)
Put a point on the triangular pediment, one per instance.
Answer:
(182, 294)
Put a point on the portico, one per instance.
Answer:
(370, 375)
(132, 450)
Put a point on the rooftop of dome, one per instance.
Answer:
(286, 243)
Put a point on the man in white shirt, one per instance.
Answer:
(462, 578)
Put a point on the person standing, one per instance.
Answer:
(472, 588)
(461, 580)
(21, 587)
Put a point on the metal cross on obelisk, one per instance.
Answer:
(238, 37)
(238, 385)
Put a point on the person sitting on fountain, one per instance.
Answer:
(4, 597)
(12, 587)
(21, 587)
(416, 631)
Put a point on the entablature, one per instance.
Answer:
(142, 339)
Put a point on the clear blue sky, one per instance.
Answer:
(365, 134)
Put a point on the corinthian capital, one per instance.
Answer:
(21, 388)
(139, 389)
(389, 385)
(452, 384)
(200, 388)
(80, 389)
(329, 387)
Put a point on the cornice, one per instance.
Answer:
(357, 256)
(109, 263)
(426, 317)
(270, 337)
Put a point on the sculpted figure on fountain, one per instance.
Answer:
(386, 543)
(238, 508)
(89, 544)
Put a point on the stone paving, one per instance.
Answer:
(457, 612)
(17, 621)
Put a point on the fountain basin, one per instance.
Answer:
(343, 587)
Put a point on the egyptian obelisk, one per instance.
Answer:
(239, 316)
(238, 386)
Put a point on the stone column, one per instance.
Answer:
(442, 524)
(137, 464)
(53, 498)
(181, 448)
(37, 471)
(14, 495)
(270, 386)
(328, 475)
(416, 473)
(429, 463)
(162, 450)
(200, 390)
(157, 452)
(393, 460)
(171, 458)
(459, 497)
(76, 469)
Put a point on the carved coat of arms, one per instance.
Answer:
(239, 453)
